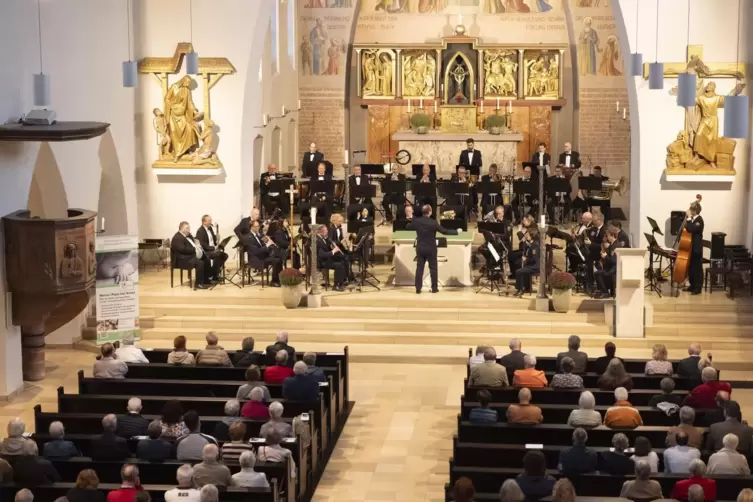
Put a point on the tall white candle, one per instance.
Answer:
(543, 221)
(421, 102)
(346, 157)
(624, 113)
(409, 106)
(482, 106)
(299, 104)
(103, 223)
(509, 106)
(617, 107)
(497, 104)
(435, 106)
(313, 215)
(264, 118)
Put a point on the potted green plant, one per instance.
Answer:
(291, 280)
(495, 124)
(562, 284)
(420, 122)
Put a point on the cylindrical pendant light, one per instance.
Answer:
(736, 112)
(41, 80)
(130, 73)
(656, 69)
(686, 89)
(192, 58)
(636, 58)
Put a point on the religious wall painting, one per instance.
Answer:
(419, 68)
(516, 6)
(406, 6)
(588, 48)
(541, 74)
(592, 3)
(501, 69)
(322, 54)
(378, 73)
(611, 59)
(324, 4)
(459, 81)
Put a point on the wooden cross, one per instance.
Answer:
(696, 64)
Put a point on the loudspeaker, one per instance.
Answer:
(717, 245)
(675, 221)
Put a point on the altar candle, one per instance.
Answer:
(283, 110)
(346, 156)
(299, 104)
(482, 106)
(313, 215)
(509, 106)
(264, 118)
(103, 223)
(543, 221)
(435, 106)
(421, 103)
(624, 113)
(441, 89)
(409, 106)
(497, 104)
(618, 106)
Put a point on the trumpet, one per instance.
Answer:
(474, 179)
(425, 179)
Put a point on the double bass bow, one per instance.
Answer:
(682, 261)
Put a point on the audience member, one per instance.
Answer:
(128, 352)
(514, 360)
(107, 366)
(255, 407)
(601, 363)
(578, 459)
(622, 414)
(677, 458)
(529, 376)
(142, 496)
(688, 367)
(209, 493)
(232, 450)
(585, 415)
(24, 495)
(563, 491)
(659, 365)
(525, 412)
(13, 444)
(108, 446)
(273, 452)
(746, 495)
(695, 434)
(704, 395)
(246, 356)
(478, 358)
(172, 420)
(280, 371)
(463, 491)
(59, 448)
(191, 445)
(86, 488)
(6, 471)
(488, 373)
(731, 425)
(312, 370)
(615, 376)
(186, 490)
(667, 386)
(697, 472)
(180, 356)
(728, 460)
(695, 494)
(132, 423)
(247, 476)
(281, 343)
(511, 492)
(580, 359)
(253, 379)
(482, 414)
(643, 452)
(154, 449)
(300, 386)
(130, 485)
(615, 461)
(213, 354)
(30, 470)
(716, 414)
(534, 482)
(567, 379)
(210, 471)
(641, 487)
(232, 412)
(276, 410)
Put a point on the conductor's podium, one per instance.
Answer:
(454, 261)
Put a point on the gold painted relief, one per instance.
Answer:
(419, 69)
(541, 74)
(378, 73)
(501, 73)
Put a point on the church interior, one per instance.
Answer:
(551, 176)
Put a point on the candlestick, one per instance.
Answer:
(624, 114)
(283, 110)
(460, 19)
(543, 221)
(103, 224)
(497, 103)
(482, 106)
(618, 106)
(435, 106)
(346, 156)
(509, 106)
(409, 106)
(264, 118)
(421, 102)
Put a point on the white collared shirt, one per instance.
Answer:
(567, 158)
(541, 158)
(311, 156)
(273, 194)
(470, 156)
(209, 236)
(358, 180)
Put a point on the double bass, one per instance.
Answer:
(682, 261)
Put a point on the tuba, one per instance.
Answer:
(608, 187)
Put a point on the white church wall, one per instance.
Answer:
(240, 31)
(656, 118)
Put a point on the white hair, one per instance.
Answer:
(696, 494)
(524, 395)
(514, 344)
(708, 374)
(697, 467)
(642, 470)
(212, 338)
(57, 430)
(620, 441)
(247, 460)
(209, 453)
(620, 394)
(580, 436)
(134, 404)
(275, 410)
(257, 394)
(530, 361)
(282, 336)
(232, 408)
(687, 415)
(24, 495)
(129, 339)
(209, 493)
(511, 492)
(730, 441)
(16, 428)
(587, 400)
(110, 422)
(184, 475)
(281, 357)
(300, 368)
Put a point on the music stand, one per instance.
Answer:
(490, 188)
(391, 188)
(654, 227)
(363, 192)
(398, 225)
(495, 270)
(423, 191)
(224, 280)
(554, 185)
(364, 234)
(417, 168)
(373, 169)
(524, 188)
(454, 191)
(651, 274)
(279, 186)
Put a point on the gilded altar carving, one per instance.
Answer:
(459, 81)
(541, 74)
(500, 73)
(378, 73)
(419, 69)
(459, 118)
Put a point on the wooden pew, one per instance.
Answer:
(640, 381)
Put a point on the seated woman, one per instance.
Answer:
(585, 415)
(566, 379)
(659, 365)
(615, 376)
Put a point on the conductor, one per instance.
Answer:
(426, 246)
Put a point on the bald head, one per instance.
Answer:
(694, 349)
(524, 396)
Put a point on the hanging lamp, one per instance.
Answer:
(130, 73)
(736, 119)
(636, 58)
(192, 58)
(686, 82)
(41, 80)
(656, 69)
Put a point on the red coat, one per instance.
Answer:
(277, 374)
(123, 494)
(255, 409)
(704, 395)
(680, 491)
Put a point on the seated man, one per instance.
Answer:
(108, 446)
(246, 356)
(59, 448)
(704, 395)
(489, 373)
(482, 414)
(128, 352)
(154, 449)
(642, 487)
(716, 415)
(525, 412)
(13, 444)
(605, 276)
(257, 247)
(280, 371)
(478, 358)
(319, 198)
(616, 461)
(396, 199)
(578, 459)
(331, 257)
(300, 386)
(580, 359)
(107, 366)
(186, 490)
(190, 446)
(214, 257)
(272, 200)
(243, 228)
(312, 369)
(132, 423)
(513, 360)
(622, 414)
(355, 181)
(187, 254)
(695, 434)
(30, 470)
(281, 343)
(697, 469)
(688, 367)
(529, 376)
(732, 425)
(213, 354)
(677, 459)
(667, 395)
(728, 460)
(211, 471)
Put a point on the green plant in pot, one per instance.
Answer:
(291, 280)
(420, 122)
(495, 124)
(562, 284)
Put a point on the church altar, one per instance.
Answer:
(443, 149)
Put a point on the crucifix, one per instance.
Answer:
(291, 191)
(696, 64)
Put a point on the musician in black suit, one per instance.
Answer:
(515, 258)
(311, 159)
(503, 238)
(470, 157)
(541, 157)
(183, 249)
(622, 236)
(406, 214)
(283, 240)
(243, 228)
(356, 180)
(321, 200)
(694, 225)
(569, 158)
(272, 200)
(426, 246)
(521, 199)
(576, 247)
(208, 241)
(558, 199)
(330, 256)
(596, 235)
(488, 203)
(427, 176)
(398, 199)
(605, 276)
(459, 199)
(256, 246)
(336, 233)
(530, 262)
